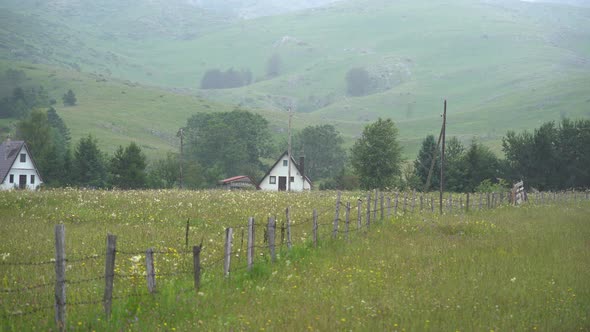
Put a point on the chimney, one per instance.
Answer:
(302, 166)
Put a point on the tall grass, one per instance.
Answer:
(523, 268)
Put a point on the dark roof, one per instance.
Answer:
(294, 163)
(8, 152)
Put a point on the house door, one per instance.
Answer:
(282, 183)
(22, 181)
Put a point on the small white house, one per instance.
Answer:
(276, 177)
(17, 167)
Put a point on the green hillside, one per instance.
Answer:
(501, 64)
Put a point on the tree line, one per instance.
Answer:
(225, 144)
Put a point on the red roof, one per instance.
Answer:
(235, 178)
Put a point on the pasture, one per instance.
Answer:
(510, 268)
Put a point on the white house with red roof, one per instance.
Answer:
(17, 167)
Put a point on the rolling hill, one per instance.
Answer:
(501, 64)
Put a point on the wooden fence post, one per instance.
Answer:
(461, 204)
(197, 266)
(368, 208)
(467, 203)
(382, 198)
(359, 205)
(396, 203)
(388, 207)
(272, 225)
(229, 232)
(109, 274)
(150, 270)
(60, 277)
(315, 228)
(375, 205)
(288, 213)
(336, 216)
(347, 218)
(250, 243)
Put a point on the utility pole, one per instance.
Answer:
(181, 135)
(289, 153)
(442, 158)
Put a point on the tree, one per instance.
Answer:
(358, 82)
(455, 168)
(164, 173)
(228, 143)
(552, 157)
(273, 65)
(322, 146)
(127, 167)
(376, 155)
(480, 164)
(69, 98)
(424, 161)
(88, 167)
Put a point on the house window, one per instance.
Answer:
(273, 180)
(292, 179)
(11, 178)
(32, 179)
(23, 158)
(285, 163)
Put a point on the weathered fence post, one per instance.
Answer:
(315, 228)
(336, 216)
(382, 198)
(229, 232)
(375, 205)
(288, 213)
(150, 270)
(396, 203)
(347, 217)
(197, 266)
(250, 243)
(272, 225)
(467, 203)
(368, 208)
(431, 204)
(109, 274)
(60, 277)
(388, 207)
(359, 205)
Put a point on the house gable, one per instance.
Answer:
(17, 164)
(276, 172)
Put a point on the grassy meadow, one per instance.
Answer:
(524, 268)
(502, 66)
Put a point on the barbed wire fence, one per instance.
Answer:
(348, 218)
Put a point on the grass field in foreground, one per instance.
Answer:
(512, 268)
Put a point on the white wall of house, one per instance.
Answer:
(22, 171)
(273, 179)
